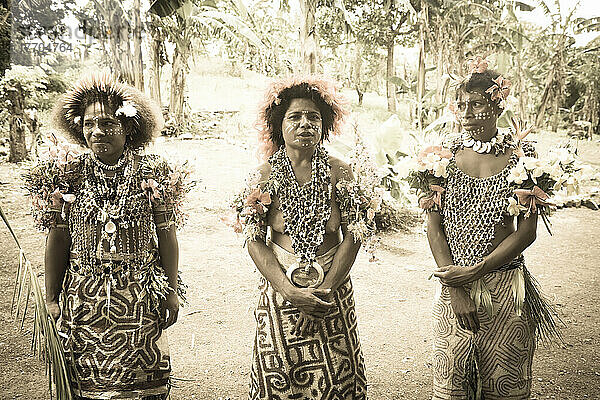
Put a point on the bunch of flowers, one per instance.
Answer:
(250, 207)
(360, 200)
(536, 180)
(358, 205)
(167, 185)
(429, 176)
(52, 182)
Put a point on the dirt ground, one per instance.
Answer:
(211, 343)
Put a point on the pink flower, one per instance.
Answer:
(258, 199)
(500, 90)
(434, 198)
(478, 65)
(152, 187)
(438, 150)
(454, 109)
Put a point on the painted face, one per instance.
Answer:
(103, 133)
(477, 114)
(302, 124)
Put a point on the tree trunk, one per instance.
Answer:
(178, 74)
(18, 150)
(154, 44)
(389, 72)
(138, 63)
(308, 36)
(356, 73)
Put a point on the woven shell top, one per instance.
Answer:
(472, 207)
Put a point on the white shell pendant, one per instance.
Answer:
(469, 142)
(110, 227)
(477, 146)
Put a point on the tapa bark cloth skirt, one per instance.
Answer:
(505, 343)
(326, 365)
(121, 355)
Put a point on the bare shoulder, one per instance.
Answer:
(340, 169)
(263, 171)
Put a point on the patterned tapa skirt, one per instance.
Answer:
(116, 348)
(325, 366)
(505, 345)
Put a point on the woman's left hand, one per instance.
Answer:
(456, 275)
(169, 310)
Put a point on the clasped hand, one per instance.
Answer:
(313, 306)
(456, 275)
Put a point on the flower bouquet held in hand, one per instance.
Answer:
(429, 176)
(535, 180)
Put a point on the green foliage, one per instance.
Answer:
(32, 81)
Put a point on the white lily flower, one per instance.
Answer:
(440, 168)
(127, 109)
(518, 174)
(514, 208)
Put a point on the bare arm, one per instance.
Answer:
(507, 250)
(342, 262)
(56, 258)
(168, 248)
(462, 304)
(437, 239)
(513, 245)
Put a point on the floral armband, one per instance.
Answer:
(428, 178)
(358, 207)
(166, 187)
(535, 180)
(52, 184)
(250, 207)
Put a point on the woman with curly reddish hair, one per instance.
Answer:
(303, 234)
(111, 252)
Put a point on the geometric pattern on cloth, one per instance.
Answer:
(326, 366)
(505, 342)
(124, 355)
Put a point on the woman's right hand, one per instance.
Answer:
(309, 300)
(464, 309)
(53, 309)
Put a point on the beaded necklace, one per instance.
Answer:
(307, 208)
(111, 218)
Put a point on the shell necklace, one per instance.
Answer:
(497, 145)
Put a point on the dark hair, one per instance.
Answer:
(111, 95)
(479, 82)
(275, 112)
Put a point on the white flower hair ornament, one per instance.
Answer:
(127, 109)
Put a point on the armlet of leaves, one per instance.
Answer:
(250, 208)
(166, 187)
(51, 187)
(358, 209)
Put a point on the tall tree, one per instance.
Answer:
(309, 44)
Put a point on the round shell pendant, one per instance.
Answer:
(469, 142)
(110, 227)
(310, 275)
(477, 146)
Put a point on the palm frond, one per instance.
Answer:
(45, 340)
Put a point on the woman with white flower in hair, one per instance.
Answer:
(304, 218)
(488, 311)
(111, 251)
